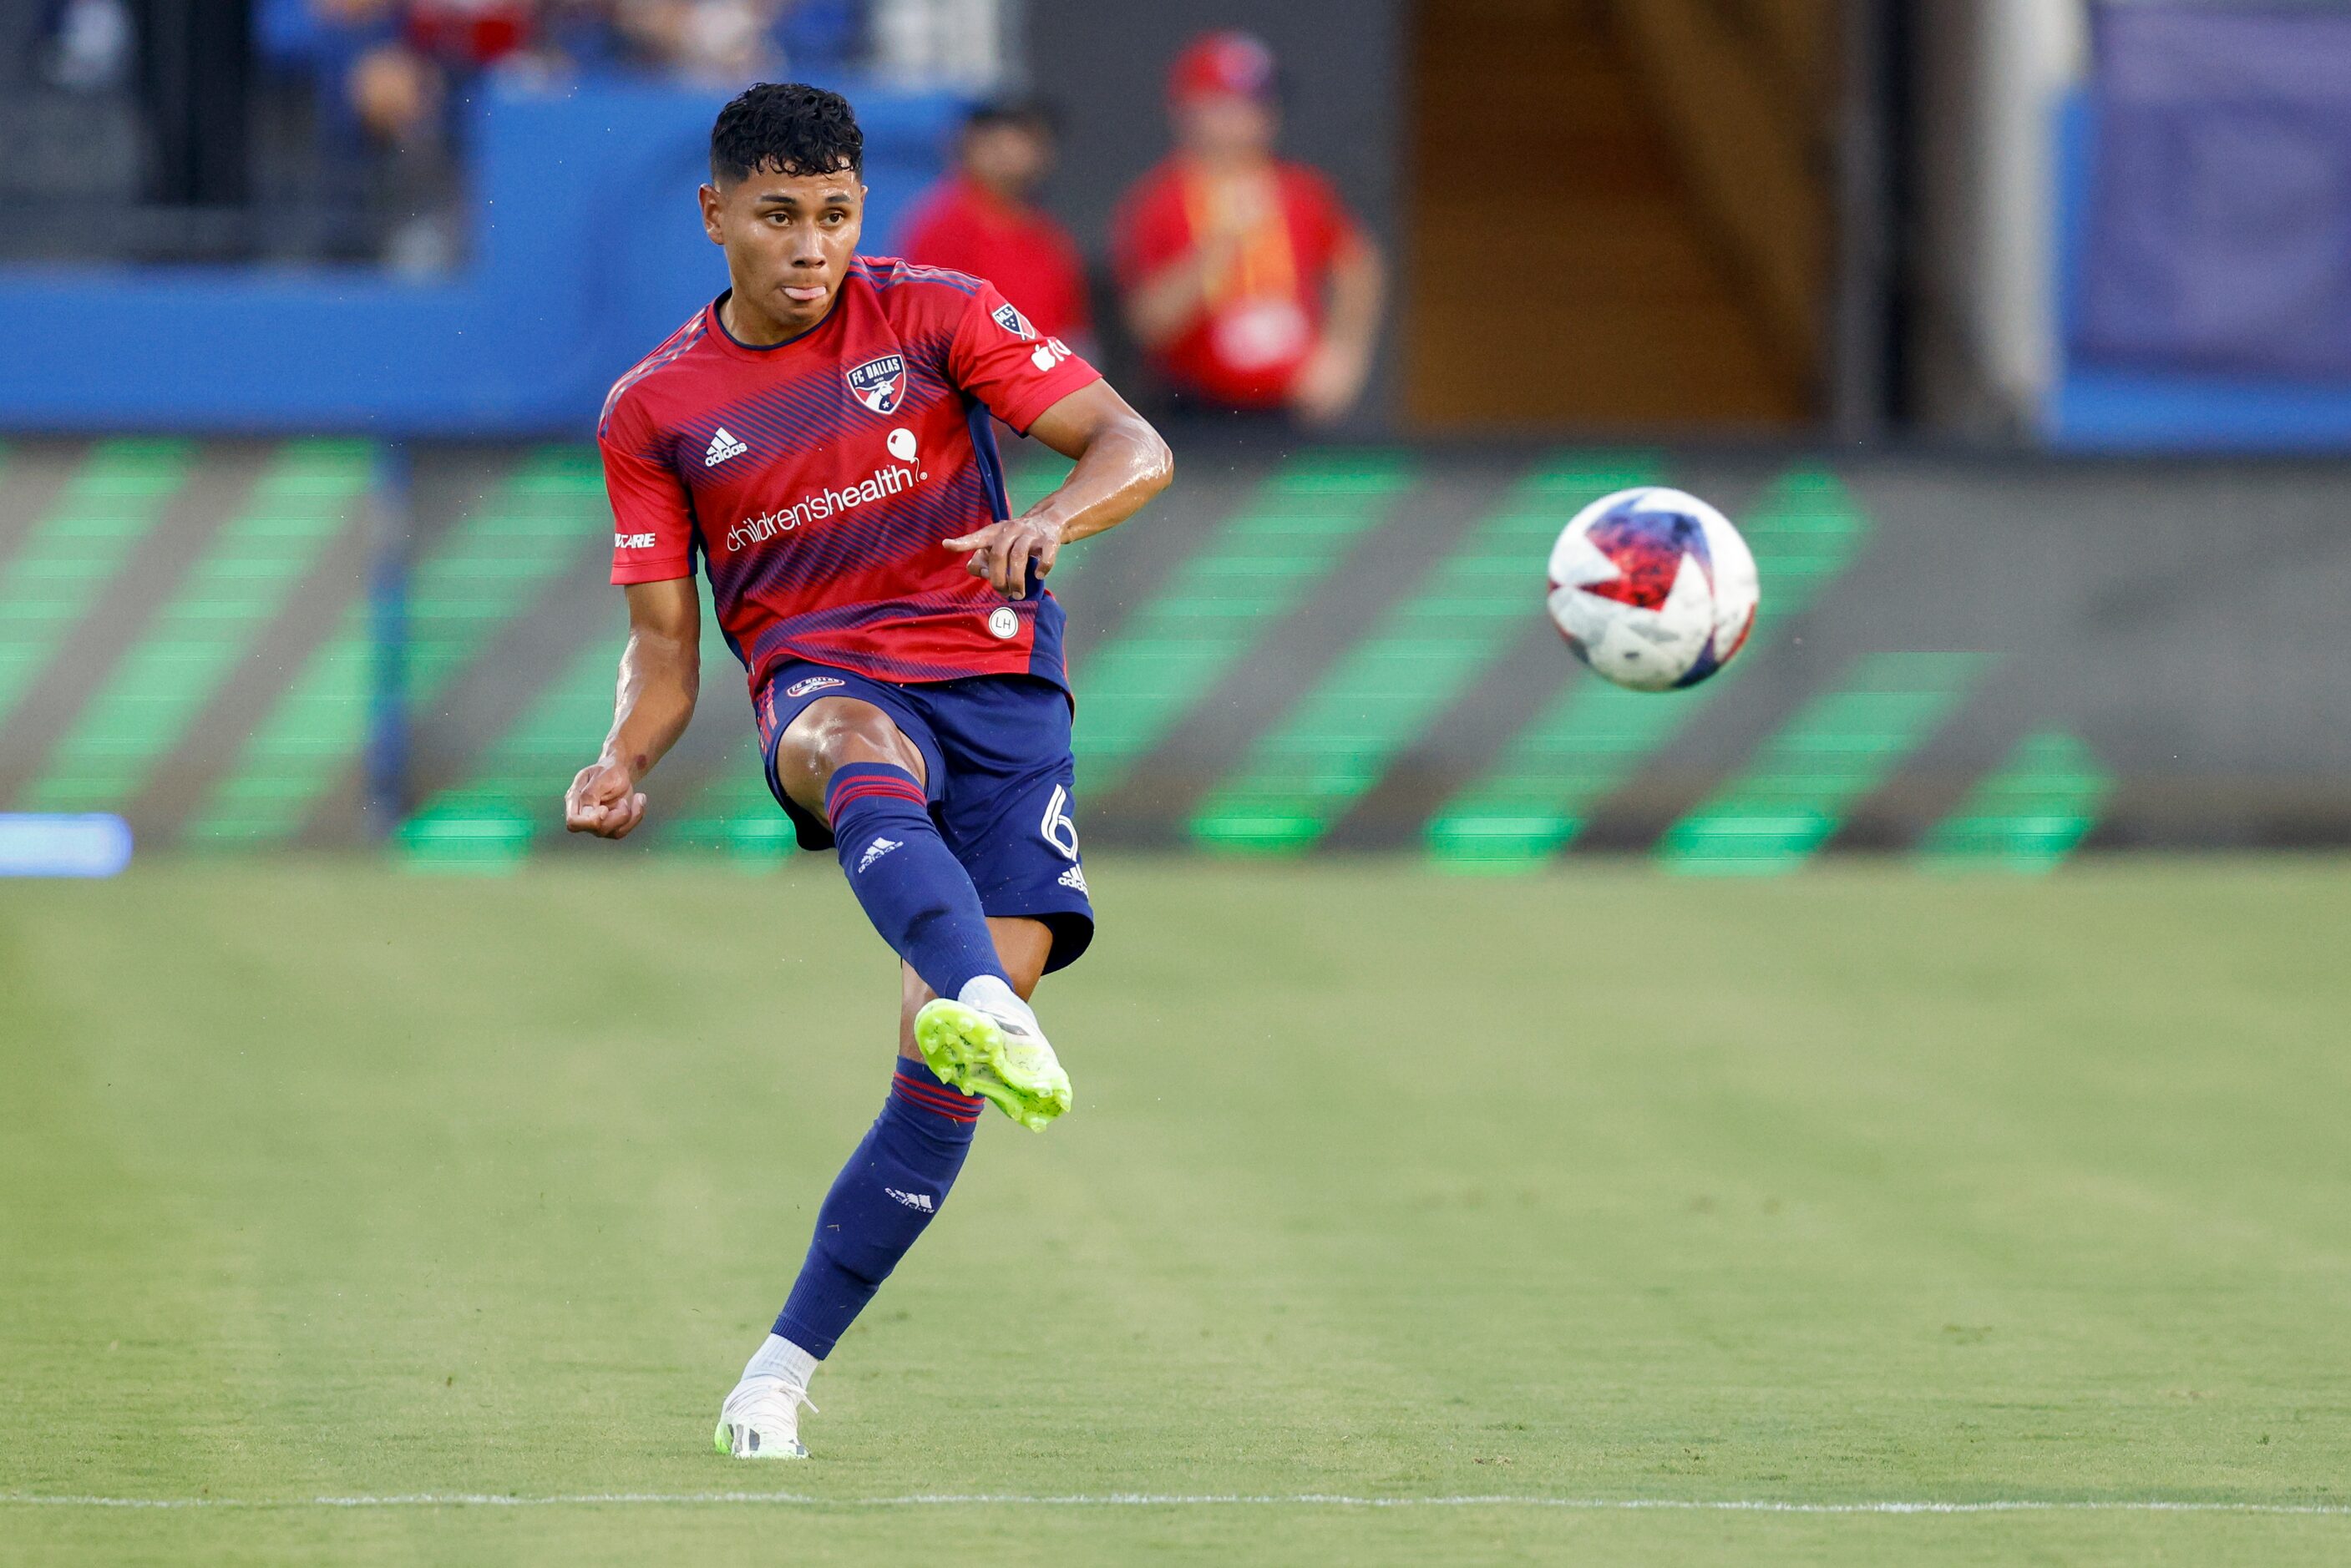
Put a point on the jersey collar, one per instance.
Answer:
(765, 353)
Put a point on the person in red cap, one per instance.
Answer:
(1246, 280)
(981, 219)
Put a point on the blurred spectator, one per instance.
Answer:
(981, 220)
(391, 74)
(712, 40)
(1246, 280)
(87, 44)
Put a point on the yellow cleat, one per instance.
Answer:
(1002, 1059)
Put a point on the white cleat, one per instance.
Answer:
(761, 1421)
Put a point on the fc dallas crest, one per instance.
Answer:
(880, 384)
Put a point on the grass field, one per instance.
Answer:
(1862, 1187)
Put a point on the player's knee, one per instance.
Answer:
(831, 735)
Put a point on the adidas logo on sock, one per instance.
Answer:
(722, 446)
(920, 1201)
(875, 850)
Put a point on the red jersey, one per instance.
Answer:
(815, 478)
(1264, 311)
(960, 224)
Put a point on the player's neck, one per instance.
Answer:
(755, 328)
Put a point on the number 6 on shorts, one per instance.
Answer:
(1058, 829)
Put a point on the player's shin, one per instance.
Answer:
(915, 892)
(878, 1204)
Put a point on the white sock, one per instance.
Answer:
(988, 991)
(780, 1358)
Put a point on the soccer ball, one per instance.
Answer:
(1653, 589)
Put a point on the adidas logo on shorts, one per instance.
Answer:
(1075, 876)
(722, 446)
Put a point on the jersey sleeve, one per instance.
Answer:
(653, 522)
(999, 359)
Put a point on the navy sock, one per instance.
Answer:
(915, 892)
(878, 1205)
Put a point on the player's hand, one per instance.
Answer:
(1001, 552)
(603, 800)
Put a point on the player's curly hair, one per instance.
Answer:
(786, 127)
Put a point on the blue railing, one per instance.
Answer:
(587, 251)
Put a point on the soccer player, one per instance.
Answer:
(819, 439)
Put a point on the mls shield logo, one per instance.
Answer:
(880, 384)
(1012, 321)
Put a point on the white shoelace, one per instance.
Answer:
(794, 1396)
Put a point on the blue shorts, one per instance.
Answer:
(998, 769)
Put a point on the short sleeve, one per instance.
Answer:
(999, 359)
(653, 522)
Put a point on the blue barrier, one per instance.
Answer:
(2101, 407)
(587, 251)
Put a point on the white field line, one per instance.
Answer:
(1153, 1499)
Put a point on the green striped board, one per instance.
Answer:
(310, 495)
(1593, 737)
(1340, 739)
(484, 572)
(1844, 743)
(515, 794)
(2030, 814)
(66, 562)
(1258, 565)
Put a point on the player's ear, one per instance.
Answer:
(710, 198)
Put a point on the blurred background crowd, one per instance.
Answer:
(334, 128)
(337, 130)
(332, 289)
(2091, 224)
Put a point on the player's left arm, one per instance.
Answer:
(1122, 463)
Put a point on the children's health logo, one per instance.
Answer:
(889, 480)
(880, 384)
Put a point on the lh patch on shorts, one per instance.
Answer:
(813, 683)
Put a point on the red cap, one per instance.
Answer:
(1224, 62)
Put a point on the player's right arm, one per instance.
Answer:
(661, 667)
(661, 673)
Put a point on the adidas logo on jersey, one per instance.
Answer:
(722, 446)
(920, 1201)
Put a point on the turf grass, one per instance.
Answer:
(1865, 1186)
